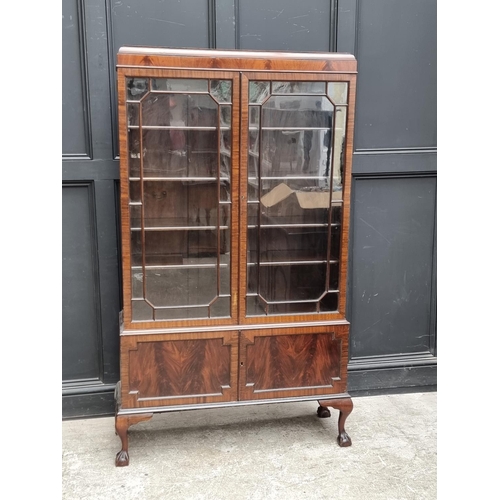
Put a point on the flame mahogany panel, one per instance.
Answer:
(291, 363)
(288, 361)
(181, 371)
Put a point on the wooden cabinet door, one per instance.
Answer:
(179, 132)
(296, 144)
(293, 362)
(179, 369)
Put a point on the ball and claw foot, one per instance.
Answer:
(344, 440)
(121, 459)
(323, 412)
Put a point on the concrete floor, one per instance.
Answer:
(278, 451)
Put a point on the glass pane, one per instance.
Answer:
(225, 191)
(253, 142)
(221, 308)
(225, 116)
(334, 277)
(254, 116)
(258, 307)
(292, 258)
(133, 114)
(141, 311)
(291, 213)
(221, 90)
(225, 244)
(292, 283)
(337, 213)
(137, 88)
(179, 110)
(180, 313)
(296, 153)
(339, 147)
(330, 302)
(253, 214)
(192, 282)
(178, 247)
(335, 243)
(252, 279)
(137, 284)
(180, 287)
(225, 166)
(135, 191)
(179, 85)
(293, 244)
(225, 142)
(135, 217)
(173, 204)
(180, 210)
(179, 153)
(258, 91)
(338, 92)
(252, 244)
(134, 156)
(292, 111)
(255, 307)
(298, 87)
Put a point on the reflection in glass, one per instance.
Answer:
(329, 302)
(137, 88)
(258, 91)
(338, 92)
(339, 146)
(294, 199)
(297, 112)
(225, 116)
(298, 87)
(179, 143)
(141, 310)
(179, 85)
(133, 114)
(179, 110)
(134, 152)
(135, 191)
(254, 116)
(221, 90)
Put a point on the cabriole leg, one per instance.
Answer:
(122, 424)
(344, 405)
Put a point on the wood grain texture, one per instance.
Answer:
(344, 247)
(179, 368)
(160, 370)
(235, 59)
(293, 362)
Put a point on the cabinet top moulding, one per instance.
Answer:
(155, 57)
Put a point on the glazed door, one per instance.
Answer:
(295, 183)
(180, 258)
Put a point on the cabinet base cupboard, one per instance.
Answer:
(235, 173)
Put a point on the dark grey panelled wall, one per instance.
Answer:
(392, 301)
(392, 276)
